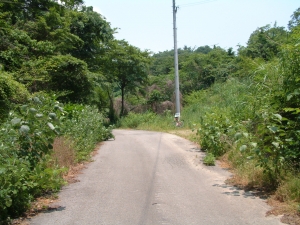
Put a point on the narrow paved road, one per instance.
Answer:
(149, 178)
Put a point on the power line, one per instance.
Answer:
(196, 3)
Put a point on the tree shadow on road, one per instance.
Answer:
(244, 192)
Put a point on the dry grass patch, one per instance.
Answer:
(63, 152)
(288, 209)
(224, 162)
(64, 156)
(187, 134)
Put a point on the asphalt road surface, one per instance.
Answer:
(150, 178)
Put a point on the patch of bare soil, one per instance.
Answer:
(292, 219)
(224, 163)
(290, 216)
(71, 176)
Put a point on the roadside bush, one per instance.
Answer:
(27, 168)
(276, 123)
(84, 127)
(27, 138)
(215, 133)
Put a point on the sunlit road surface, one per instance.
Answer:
(154, 178)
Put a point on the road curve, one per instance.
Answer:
(149, 178)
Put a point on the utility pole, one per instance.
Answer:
(177, 96)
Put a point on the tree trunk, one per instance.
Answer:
(122, 105)
(111, 114)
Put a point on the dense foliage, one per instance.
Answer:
(27, 143)
(67, 48)
(127, 67)
(57, 88)
(11, 92)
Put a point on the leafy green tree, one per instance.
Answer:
(295, 19)
(71, 75)
(203, 49)
(94, 31)
(72, 4)
(23, 10)
(202, 70)
(30, 10)
(54, 27)
(35, 47)
(162, 63)
(265, 42)
(126, 66)
(102, 95)
(59, 73)
(165, 84)
(16, 47)
(41, 28)
(155, 98)
(230, 52)
(11, 92)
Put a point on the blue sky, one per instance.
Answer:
(148, 24)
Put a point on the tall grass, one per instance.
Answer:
(149, 121)
(237, 98)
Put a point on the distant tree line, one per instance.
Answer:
(200, 67)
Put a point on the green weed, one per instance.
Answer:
(149, 121)
(209, 159)
(289, 191)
